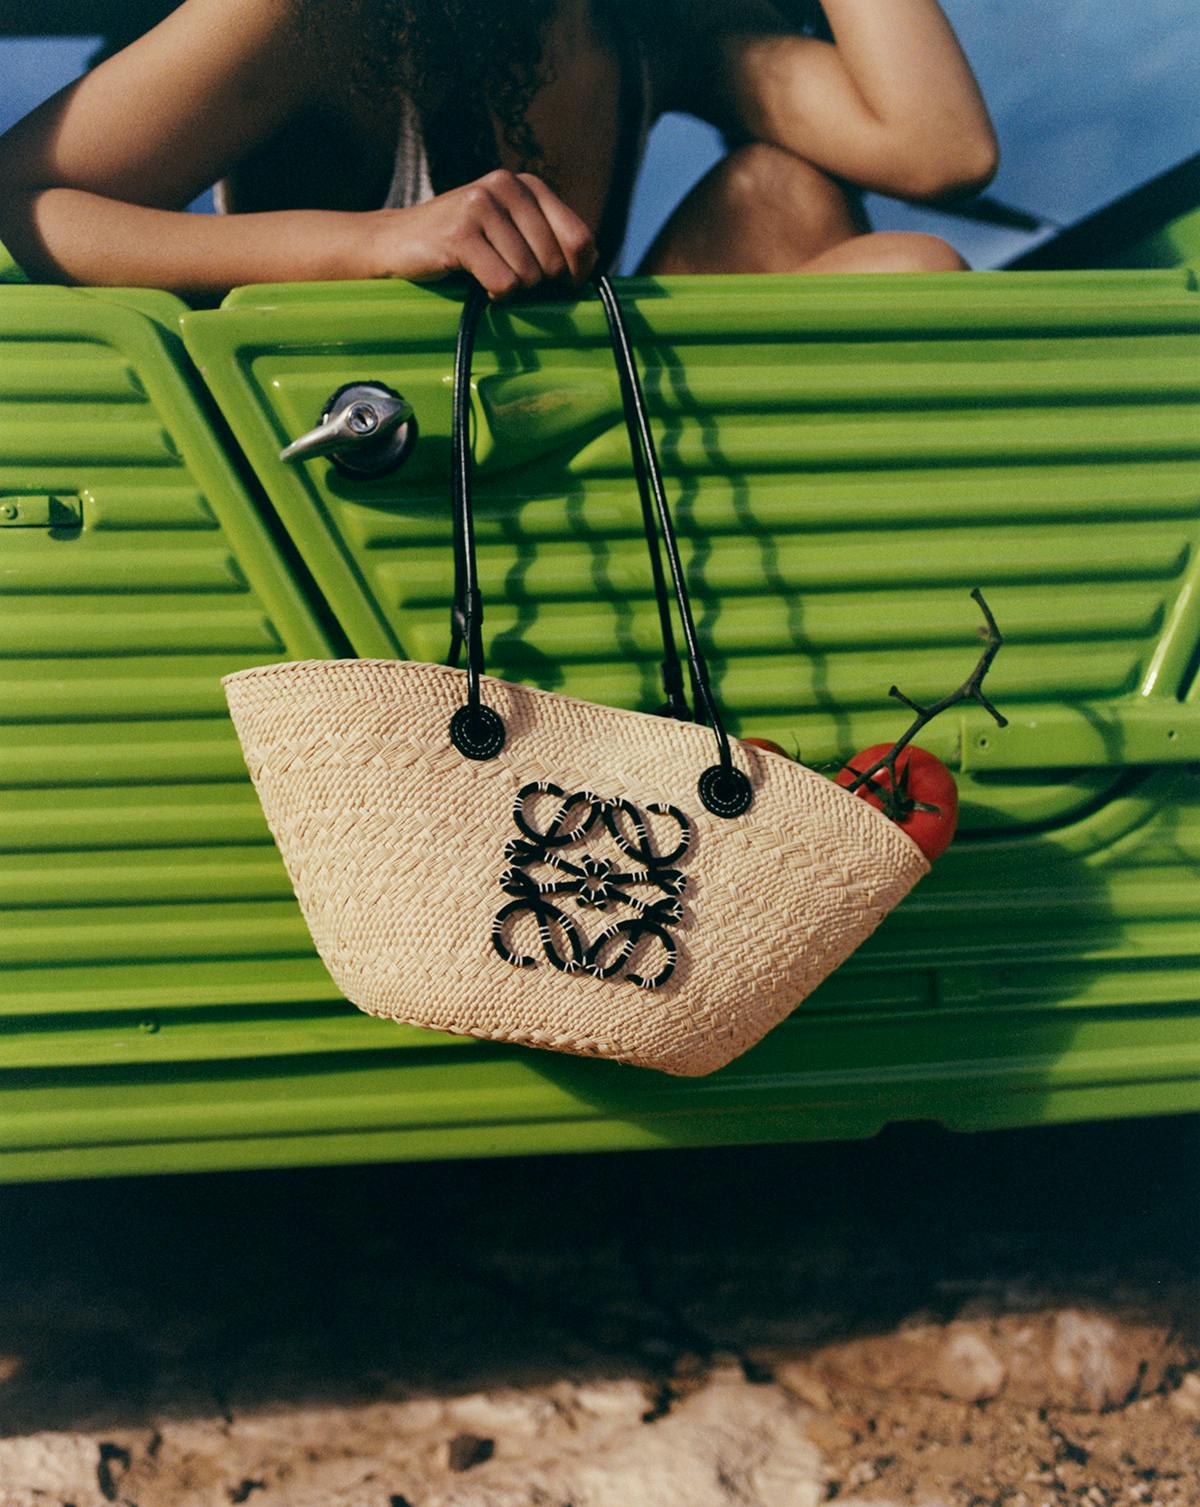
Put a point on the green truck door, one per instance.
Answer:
(138, 898)
(847, 458)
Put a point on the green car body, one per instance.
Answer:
(847, 458)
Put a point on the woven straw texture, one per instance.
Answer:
(395, 846)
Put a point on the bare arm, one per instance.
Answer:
(94, 183)
(892, 104)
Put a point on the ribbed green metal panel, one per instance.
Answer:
(135, 866)
(847, 457)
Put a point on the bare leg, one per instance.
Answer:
(763, 210)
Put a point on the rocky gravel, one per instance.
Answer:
(1004, 1320)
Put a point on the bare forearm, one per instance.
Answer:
(68, 235)
(509, 230)
(905, 62)
(891, 104)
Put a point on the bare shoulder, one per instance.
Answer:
(159, 120)
(231, 28)
(268, 41)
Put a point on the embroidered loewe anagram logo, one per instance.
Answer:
(588, 880)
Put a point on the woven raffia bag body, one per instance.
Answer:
(504, 862)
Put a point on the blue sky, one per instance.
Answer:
(1090, 98)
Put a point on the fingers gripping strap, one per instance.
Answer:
(723, 788)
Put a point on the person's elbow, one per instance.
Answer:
(954, 165)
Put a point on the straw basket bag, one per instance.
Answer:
(503, 862)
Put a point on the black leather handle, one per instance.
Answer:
(676, 704)
(476, 729)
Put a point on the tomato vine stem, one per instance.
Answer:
(970, 690)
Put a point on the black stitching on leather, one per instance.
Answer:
(725, 792)
(477, 733)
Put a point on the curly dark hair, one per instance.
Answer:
(452, 58)
(455, 59)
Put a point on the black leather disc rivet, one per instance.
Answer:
(478, 734)
(725, 792)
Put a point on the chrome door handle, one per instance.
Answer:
(366, 429)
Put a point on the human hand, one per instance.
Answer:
(508, 230)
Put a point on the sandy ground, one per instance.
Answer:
(1007, 1320)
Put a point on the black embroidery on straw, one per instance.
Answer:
(592, 883)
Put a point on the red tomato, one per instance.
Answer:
(925, 805)
(767, 744)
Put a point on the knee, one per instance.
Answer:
(800, 199)
(910, 251)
